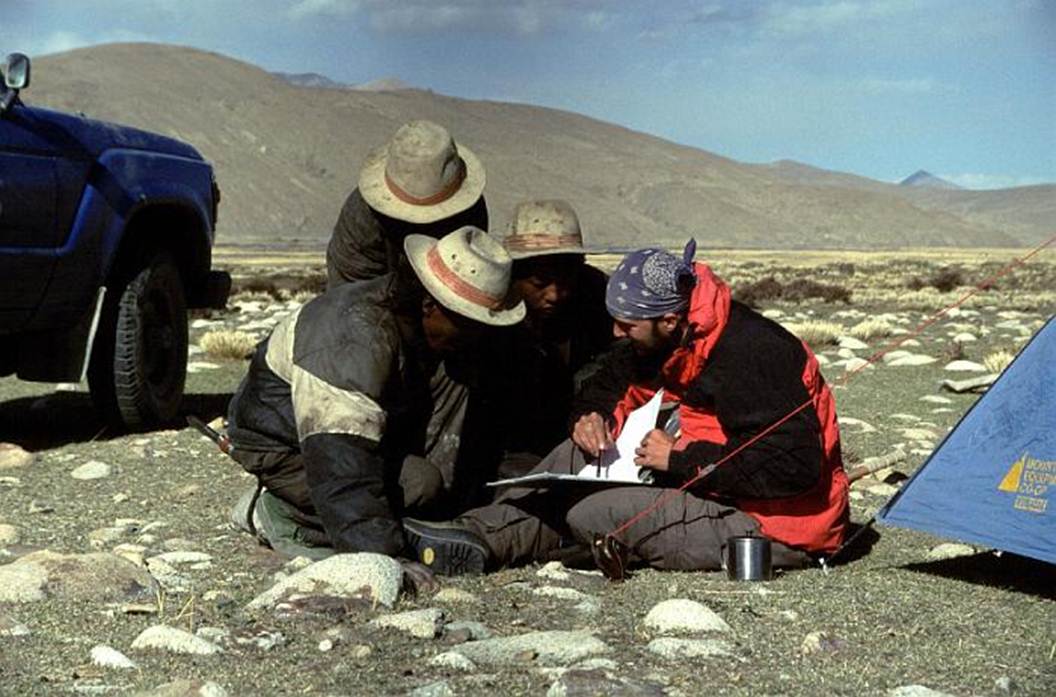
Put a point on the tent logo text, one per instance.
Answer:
(1030, 479)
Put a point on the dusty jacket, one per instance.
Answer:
(346, 382)
(366, 244)
(737, 374)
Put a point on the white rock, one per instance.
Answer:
(363, 574)
(13, 456)
(772, 313)
(861, 426)
(965, 366)
(167, 575)
(560, 593)
(9, 535)
(555, 571)
(849, 342)
(936, 399)
(680, 615)
(906, 417)
(326, 645)
(846, 353)
(421, 624)
(182, 558)
(106, 657)
(822, 359)
(916, 691)
(548, 648)
(950, 550)
(454, 596)
(199, 366)
(895, 355)
(96, 576)
(680, 649)
(433, 689)
(92, 469)
(165, 638)
(854, 364)
(451, 660)
(917, 433)
(186, 688)
(912, 360)
(9, 627)
(965, 338)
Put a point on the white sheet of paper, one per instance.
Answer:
(617, 463)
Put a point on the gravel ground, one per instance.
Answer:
(979, 624)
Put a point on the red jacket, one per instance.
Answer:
(736, 374)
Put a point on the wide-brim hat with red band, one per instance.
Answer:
(468, 272)
(421, 175)
(539, 228)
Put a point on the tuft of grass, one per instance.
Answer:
(997, 361)
(817, 333)
(871, 329)
(229, 344)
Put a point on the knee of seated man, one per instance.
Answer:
(421, 482)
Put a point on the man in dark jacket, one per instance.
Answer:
(348, 401)
(421, 182)
(542, 361)
(732, 374)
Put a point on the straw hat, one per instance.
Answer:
(468, 272)
(543, 227)
(421, 175)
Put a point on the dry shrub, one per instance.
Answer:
(817, 333)
(280, 286)
(226, 343)
(944, 280)
(796, 290)
(871, 329)
(997, 361)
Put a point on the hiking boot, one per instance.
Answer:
(446, 548)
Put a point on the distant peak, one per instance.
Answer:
(384, 84)
(924, 178)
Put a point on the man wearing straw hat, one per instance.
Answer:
(543, 359)
(347, 412)
(420, 182)
(758, 450)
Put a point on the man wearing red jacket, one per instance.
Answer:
(732, 374)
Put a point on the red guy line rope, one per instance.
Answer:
(917, 331)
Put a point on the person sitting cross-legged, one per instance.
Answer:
(733, 374)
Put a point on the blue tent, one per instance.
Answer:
(992, 481)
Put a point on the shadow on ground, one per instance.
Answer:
(54, 420)
(1007, 571)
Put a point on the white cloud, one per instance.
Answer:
(60, 41)
(312, 8)
(992, 181)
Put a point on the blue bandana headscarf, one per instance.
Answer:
(650, 283)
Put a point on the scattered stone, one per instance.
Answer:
(92, 469)
(186, 688)
(950, 550)
(680, 615)
(452, 660)
(165, 638)
(10, 482)
(849, 342)
(545, 648)
(821, 642)
(14, 456)
(965, 366)
(1004, 685)
(472, 631)
(101, 538)
(263, 641)
(97, 576)
(978, 384)
(674, 649)
(936, 399)
(895, 355)
(361, 651)
(361, 575)
(912, 360)
(790, 615)
(199, 366)
(585, 683)
(216, 635)
(454, 596)
(326, 645)
(9, 535)
(917, 433)
(555, 571)
(119, 497)
(139, 608)
(846, 353)
(167, 575)
(38, 506)
(433, 689)
(421, 624)
(916, 691)
(195, 560)
(10, 628)
(131, 552)
(862, 426)
(906, 417)
(965, 338)
(106, 657)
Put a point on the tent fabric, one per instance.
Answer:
(992, 481)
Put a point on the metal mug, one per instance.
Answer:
(747, 558)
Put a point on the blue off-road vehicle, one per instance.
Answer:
(106, 237)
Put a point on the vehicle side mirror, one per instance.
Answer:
(16, 71)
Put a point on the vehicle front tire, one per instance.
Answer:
(139, 361)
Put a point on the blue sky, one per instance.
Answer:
(965, 89)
